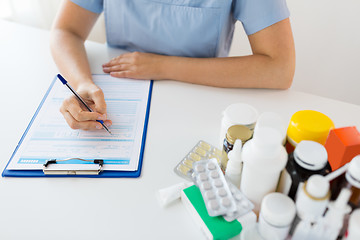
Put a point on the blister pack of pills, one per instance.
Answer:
(216, 193)
(201, 151)
(243, 204)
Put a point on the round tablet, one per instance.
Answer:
(214, 174)
(222, 192)
(203, 177)
(218, 183)
(210, 195)
(238, 197)
(245, 204)
(200, 168)
(211, 166)
(214, 205)
(226, 202)
(206, 185)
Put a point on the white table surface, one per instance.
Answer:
(81, 208)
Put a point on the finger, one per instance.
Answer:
(108, 123)
(84, 115)
(124, 58)
(85, 125)
(116, 68)
(122, 74)
(99, 101)
(73, 106)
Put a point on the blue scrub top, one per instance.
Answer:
(189, 28)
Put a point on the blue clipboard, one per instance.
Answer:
(103, 174)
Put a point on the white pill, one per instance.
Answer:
(226, 202)
(245, 204)
(214, 174)
(214, 205)
(203, 177)
(222, 192)
(200, 168)
(218, 183)
(232, 189)
(206, 185)
(210, 195)
(211, 166)
(238, 197)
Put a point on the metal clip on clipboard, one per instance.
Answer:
(51, 168)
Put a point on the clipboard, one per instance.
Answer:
(89, 173)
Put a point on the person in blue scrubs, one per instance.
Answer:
(183, 40)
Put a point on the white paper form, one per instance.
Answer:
(49, 136)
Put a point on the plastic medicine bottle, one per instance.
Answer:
(276, 216)
(309, 158)
(354, 226)
(311, 202)
(272, 120)
(264, 157)
(308, 125)
(351, 180)
(237, 114)
(234, 165)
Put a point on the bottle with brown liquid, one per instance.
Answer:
(351, 180)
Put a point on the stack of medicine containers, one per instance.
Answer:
(291, 176)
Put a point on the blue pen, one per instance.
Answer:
(62, 79)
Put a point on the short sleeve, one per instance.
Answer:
(95, 6)
(256, 15)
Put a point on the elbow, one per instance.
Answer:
(285, 73)
(286, 81)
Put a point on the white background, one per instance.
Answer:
(326, 35)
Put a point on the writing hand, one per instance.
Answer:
(77, 116)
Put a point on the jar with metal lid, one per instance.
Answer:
(234, 132)
(237, 114)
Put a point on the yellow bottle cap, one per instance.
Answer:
(309, 125)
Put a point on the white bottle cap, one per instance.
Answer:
(354, 225)
(267, 140)
(242, 114)
(311, 155)
(272, 120)
(317, 186)
(353, 172)
(278, 209)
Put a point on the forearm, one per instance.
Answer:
(70, 57)
(254, 71)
